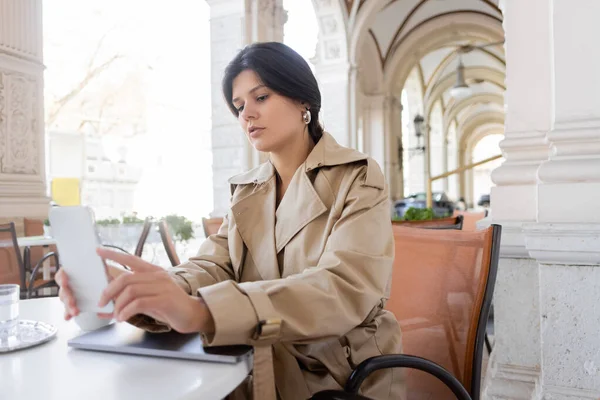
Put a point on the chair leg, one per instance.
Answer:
(488, 344)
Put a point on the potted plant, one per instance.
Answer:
(417, 214)
(47, 229)
(181, 228)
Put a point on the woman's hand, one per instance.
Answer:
(67, 297)
(150, 290)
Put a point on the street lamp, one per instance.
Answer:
(419, 122)
(420, 127)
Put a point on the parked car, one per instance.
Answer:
(484, 200)
(441, 204)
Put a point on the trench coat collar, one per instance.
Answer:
(266, 230)
(326, 153)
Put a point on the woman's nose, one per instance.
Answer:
(248, 112)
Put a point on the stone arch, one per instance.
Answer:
(436, 91)
(454, 55)
(487, 122)
(455, 108)
(370, 70)
(466, 129)
(479, 133)
(434, 34)
(359, 32)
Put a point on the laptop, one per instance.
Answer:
(127, 339)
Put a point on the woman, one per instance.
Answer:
(301, 266)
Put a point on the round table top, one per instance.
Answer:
(35, 241)
(54, 371)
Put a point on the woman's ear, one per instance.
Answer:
(304, 106)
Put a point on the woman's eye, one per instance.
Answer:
(262, 98)
(240, 109)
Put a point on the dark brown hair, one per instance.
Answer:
(282, 70)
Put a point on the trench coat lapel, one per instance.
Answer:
(300, 205)
(255, 219)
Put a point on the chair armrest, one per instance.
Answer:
(112, 246)
(373, 364)
(35, 270)
(40, 263)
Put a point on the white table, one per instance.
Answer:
(29, 241)
(54, 371)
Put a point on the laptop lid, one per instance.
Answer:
(127, 339)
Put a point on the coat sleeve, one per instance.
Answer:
(326, 300)
(211, 265)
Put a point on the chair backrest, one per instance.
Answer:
(139, 249)
(438, 223)
(33, 227)
(168, 242)
(211, 225)
(470, 218)
(12, 268)
(442, 287)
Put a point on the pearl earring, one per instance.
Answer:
(306, 117)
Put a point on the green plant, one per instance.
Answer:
(132, 219)
(181, 227)
(47, 222)
(418, 214)
(108, 221)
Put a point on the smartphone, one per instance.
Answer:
(76, 240)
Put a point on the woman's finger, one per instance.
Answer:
(116, 286)
(135, 291)
(68, 299)
(133, 262)
(60, 277)
(146, 305)
(114, 271)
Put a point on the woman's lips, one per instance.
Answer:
(256, 132)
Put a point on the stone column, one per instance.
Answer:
(22, 148)
(374, 127)
(382, 132)
(336, 76)
(514, 369)
(334, 82)
(393, 167)
(445, 163)
(566, 238)
(234, 24)
(546, 314)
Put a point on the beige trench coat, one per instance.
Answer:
(316, 271)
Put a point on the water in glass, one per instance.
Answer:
(9, 311)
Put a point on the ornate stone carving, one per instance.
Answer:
(321, 3)
(19, 111)
(333, 50)
(328, 25)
